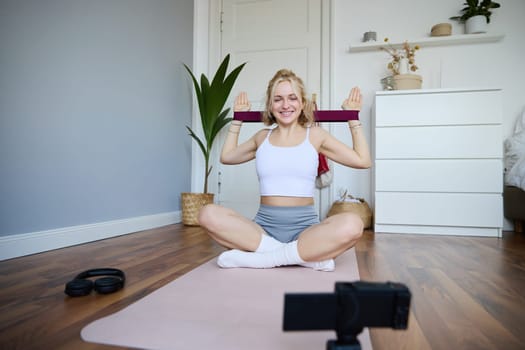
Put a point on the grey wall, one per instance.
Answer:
(93, 104)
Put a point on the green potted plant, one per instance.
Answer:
(211, 98)
(476, 15)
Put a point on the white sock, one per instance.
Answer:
(268, 244)
(325, 265)
(286, 255)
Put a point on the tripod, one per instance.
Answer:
(344, 342)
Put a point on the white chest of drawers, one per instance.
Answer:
(438, 162)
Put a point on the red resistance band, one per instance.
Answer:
(320, 116)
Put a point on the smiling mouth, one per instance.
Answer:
(286, 113)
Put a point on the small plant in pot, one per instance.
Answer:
(211, 98)
(476, 15)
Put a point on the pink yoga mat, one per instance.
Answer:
(219, 309)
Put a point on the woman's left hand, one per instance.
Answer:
(242, 103)
(353, 102)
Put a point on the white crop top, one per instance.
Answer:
(287, 171)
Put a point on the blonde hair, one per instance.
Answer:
(307, 114)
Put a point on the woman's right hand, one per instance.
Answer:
(242, 104)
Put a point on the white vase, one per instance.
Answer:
(476, 24)
(403, 66)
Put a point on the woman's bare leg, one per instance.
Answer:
(229, 228)
(330, 238)
(315, 248)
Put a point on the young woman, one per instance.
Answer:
(286, 229)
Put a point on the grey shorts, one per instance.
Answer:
(285, 224)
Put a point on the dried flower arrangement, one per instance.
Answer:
(406, 52)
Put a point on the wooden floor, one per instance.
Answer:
(467, 293)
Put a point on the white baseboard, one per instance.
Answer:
(36, 242)
(438, 230)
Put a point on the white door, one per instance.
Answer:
(268, 35)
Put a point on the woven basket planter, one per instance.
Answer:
(407, 81)
(360, 208)
(192, 204)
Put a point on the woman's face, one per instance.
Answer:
(286, 104)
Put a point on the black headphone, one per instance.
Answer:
(81, 286)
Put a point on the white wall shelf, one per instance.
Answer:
(430, 41)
